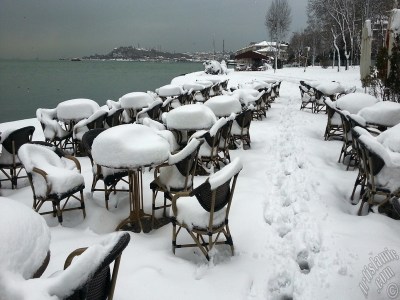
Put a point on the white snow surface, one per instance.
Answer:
(354, 102)
(390, 138)
(135, 100)
(192, 116)
(384, 113)
(76, 109)
(25, 240)
(129, 146)
(291, 206)
(169, 90)
(224, 105)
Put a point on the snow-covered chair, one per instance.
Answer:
(174, 176)
(334, 128)
(225, 139)
(260, 110)
(53, 178)
(307, 98)
(113, 118)
(319, 101)
(10, 164)
(208, 153)
(94, 121)
(356, 132)
(86, 275)
(347, 151)
(241, 128)
(109, 176)
(382, 174)
(53, 131)
(153, 111)
(100, 283)
(204, 211)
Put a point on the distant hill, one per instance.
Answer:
(133, 53)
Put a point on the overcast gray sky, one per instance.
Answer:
(49, 29)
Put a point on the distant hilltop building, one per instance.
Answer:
(255, 54)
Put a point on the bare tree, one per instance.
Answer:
(343, 19)
(277, 20)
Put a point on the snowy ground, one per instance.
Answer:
(291, 209)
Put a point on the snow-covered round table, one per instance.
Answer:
(329, 89)
(391, 138)
(25, 240)
(354, 102)
(224, 105)
(382, 114)
(190, 117)
(131, 147)
(247, 96)
(133, 102)
(187, 119)
(70, 112)
(76, 109)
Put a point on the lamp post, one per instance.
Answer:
(305, 63)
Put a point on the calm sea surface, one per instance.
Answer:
(28, 85)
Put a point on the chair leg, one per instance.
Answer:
(59, 213)
(83, 204)
(174, 233)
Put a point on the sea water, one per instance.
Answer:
(28, 85)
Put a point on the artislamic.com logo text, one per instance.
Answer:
(380, 273)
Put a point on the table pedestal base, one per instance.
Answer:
(138, 220)
(143, 223)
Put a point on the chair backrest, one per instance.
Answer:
(244, 118)
(373, 160)
(187, 165)
(114, 119)
(356, 120)
(17, 138)
(88, 138)
(155, 112)
(345, 124)
(100, 285)
(217, 191)
(98, 122)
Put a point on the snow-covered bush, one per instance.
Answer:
(213, 67)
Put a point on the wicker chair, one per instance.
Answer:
(52, 129)
(361, 176)
(307, 99)
(110, 177)
(208, 153)
(12, 140)
(113, 118)
(94, 121)
(175, 176)
(241, 129)
(223, 148)
(153, 111)
(101, 283)
(260, 108)
(204, 211)
(319, 101)
(334, 127)
(347, 147)
(52, 179)
(202, 96)
(377, 163)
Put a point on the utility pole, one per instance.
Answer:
(214, 48)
